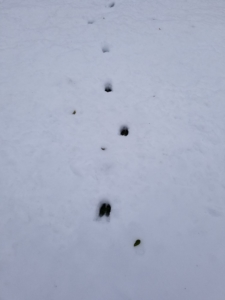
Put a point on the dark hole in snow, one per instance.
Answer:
(91, 22)
(112, 4)
(104, 209)
(124, 131)
(108, 88)
(137, 242)
(108, 210)
(74, 112)
(103, 148)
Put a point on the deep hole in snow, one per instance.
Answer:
(124, 131)
(74, 112)
(103, 148)
(108, 210)
(137, 242)
(112, 4)
(104, 209)
(108, 87)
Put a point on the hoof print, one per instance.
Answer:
(105, 209)
(124, 131)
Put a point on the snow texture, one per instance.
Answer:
(165, 181)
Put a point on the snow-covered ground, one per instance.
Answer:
(165, 181)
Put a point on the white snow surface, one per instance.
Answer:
(165, 181)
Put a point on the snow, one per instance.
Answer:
(165, 181)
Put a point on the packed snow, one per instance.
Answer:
(119, 103)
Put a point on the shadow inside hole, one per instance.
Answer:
(105, 49)
(124, 131)
(91, 22)
(112, 4)
(104, 209)
(108, 88)
(137, 242)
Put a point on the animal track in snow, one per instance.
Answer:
(124, 131)
(104, 209)
(108, 87)
(137, 242)
(91, 22)
(112, 4)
